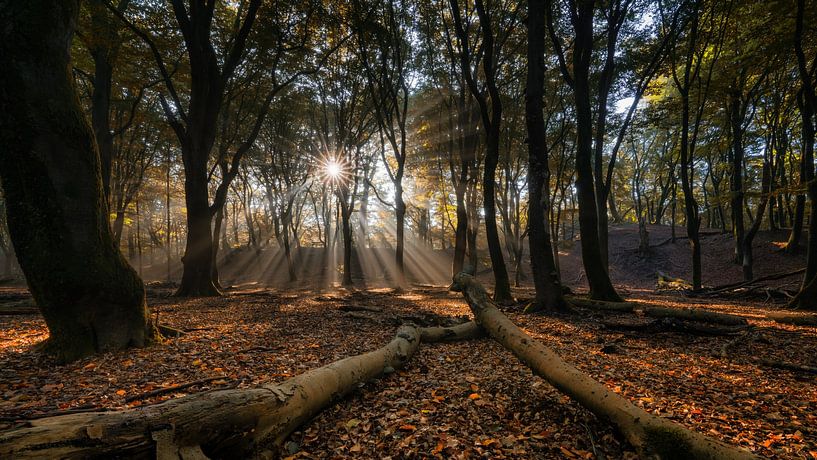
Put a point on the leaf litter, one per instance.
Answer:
(459, 400)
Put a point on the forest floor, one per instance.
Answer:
(462, 400)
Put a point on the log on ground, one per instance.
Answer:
(213, 424)
(798, 319)
(652, 436)
(695, 314)
(602, 304)
(464, 331)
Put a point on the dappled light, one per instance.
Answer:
(408, 229)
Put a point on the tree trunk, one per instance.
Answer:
(460, 234)
(601, 287)
(197, 276)
(807, 297)
(91, 299)
(345, 217)
(217, 228)
(545, 275)
(749, 237)
(103, 47)
(736, 184)
(652, 436)
(218, 424)
(400, 218)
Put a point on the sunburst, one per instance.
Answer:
(334, 170)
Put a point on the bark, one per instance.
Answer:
(652, 436)
(103, 46)
(545, 277)
(91, 299)
(798, 319)
(807, 297)
(491, 119)
(695, 314)
(464, 331)
(225, 423)
(736, 183)
(748, 238)
(594, 262)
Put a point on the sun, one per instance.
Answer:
(333, 170)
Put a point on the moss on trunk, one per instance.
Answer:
(91, 299)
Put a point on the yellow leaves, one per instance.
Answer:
(196, 362)
(351, 423)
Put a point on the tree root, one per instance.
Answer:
(652, 436)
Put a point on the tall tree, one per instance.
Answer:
(490, 108)
(807, 297)
(577, 76)
(545, 277)
(91, 299)
(386, 53)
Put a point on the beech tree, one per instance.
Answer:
(91, 299)
(490, 109)
(545, 277)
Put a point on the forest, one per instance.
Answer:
(568, 229)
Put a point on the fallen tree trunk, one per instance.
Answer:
(626, 307)
(694, 314)
(464, 331)
(652, 436)
(741, 284)
(686, 314)
(215, 424)
(676, 325)
(222, 423)
(798, 319)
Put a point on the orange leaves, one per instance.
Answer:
(407, 427)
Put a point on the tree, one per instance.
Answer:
(387, 70)
(491, 114)
(91, 299)
(545, 277)
(807, 297)
(581, 14)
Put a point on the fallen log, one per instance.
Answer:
(651, 435)
(695, 314)
(788, 366)
(464, 331)
(798, 319)
(222, 423)
(660, 325)
(686, 314)
(741, 284)
(626, 307)
(365, 308)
